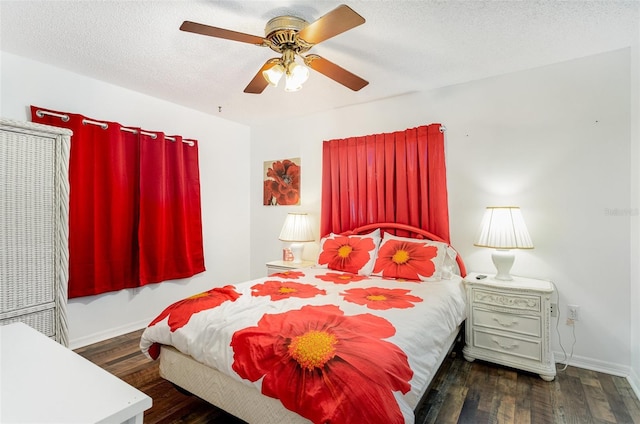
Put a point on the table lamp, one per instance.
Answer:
(503, 229)
(297, 230)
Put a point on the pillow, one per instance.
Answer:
(450, 266)
(355, 253)
(414, 259)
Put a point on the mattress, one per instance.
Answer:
(238, 399)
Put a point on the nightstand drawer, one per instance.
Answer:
(516, 346)
(522, 324)
(507, 300)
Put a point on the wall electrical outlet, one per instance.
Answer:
(573, 312)
(554, 309)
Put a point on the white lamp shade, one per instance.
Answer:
(273, 74)
(296, 76)
(296, 228)
(503, 228)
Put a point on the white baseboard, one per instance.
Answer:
(634, 381)
(601, 366)
(594, 365)
(76, 343)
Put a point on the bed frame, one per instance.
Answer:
(246, 402)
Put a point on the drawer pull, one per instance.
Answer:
(504, 323)
(511, 346)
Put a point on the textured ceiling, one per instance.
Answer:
(404, 46)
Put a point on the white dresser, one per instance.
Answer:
(508, 323)
(34, 199)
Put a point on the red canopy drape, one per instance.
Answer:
(134, 206)
(392, 177)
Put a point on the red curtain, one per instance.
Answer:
(392, 177)
(134, 205)
(170, 233)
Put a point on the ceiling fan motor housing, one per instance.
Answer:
(282, 33)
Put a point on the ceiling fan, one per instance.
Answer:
(292, 36)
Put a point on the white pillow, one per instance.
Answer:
(354, 253)
(414, 259)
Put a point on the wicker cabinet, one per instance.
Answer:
(34, 193)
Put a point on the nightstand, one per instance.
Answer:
(281, 266)
(508, 323)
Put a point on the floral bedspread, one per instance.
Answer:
(330, 345)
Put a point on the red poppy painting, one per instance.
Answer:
(180, 312)
(340, 278)
(279, 290)
(282, 182)
(349, 254)
(381, 298)
(402, 259)
(303, 356)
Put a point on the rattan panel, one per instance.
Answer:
(27, 200)
(34, 192)
(43, 321)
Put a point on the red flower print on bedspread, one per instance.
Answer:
(399, 259)
(381, 298)
(348, 254)
(180, 312)
(279, 290)
(287, 274)
(318, 362)
(338, 278)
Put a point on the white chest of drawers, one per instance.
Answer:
(508, 323)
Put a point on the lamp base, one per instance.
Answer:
(503, 260)
(296, 249)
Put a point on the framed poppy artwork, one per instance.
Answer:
(281, 182)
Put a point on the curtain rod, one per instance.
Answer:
(65, 118)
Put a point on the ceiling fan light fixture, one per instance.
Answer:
(273, 74)
(296, 76)
(292, 36)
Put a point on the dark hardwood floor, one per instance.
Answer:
(462, 392)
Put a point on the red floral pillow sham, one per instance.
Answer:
(414, 259)
(355, 254)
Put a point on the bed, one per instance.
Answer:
(361, 334)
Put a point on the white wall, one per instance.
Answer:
(553, 140)
(224, 174)
(634, 299)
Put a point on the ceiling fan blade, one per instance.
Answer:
(259, 83)
(335, 72)
(339, 20)
(220, 33)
